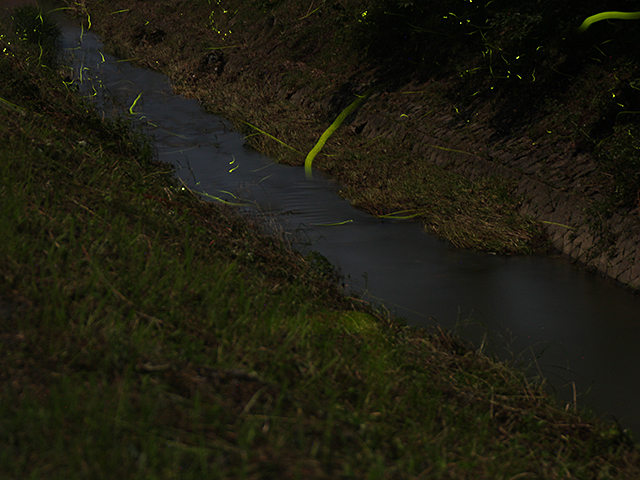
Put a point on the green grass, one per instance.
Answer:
(486, 71)
(311, 58)
(147, 334)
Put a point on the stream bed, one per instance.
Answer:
(585, 329)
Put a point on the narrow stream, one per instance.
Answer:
(587, 327)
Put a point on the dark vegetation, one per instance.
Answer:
(518, 67)
(146, 334)
(527, 59)
(41, 32)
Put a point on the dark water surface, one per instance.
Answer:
(588, 328)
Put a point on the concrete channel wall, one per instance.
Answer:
(557, 184)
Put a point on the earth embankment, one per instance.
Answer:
(530, 166)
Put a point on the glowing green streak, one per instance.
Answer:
(330, 224)
(222, 48)
(607, 16)
(231, 163)
(448, 149)
(10, 105)
(224, 201)
(228, 193)
(311, 13)
(221, 200)
(82, 69)
(134, 104)
(401, 217)
(558, 224)
(265, 178)
(179, 136)
(57, 9)
(332, 128)
(272, 137)
(40, 56)
(626, 112)
(261, 168)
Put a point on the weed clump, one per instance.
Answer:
(38, 29)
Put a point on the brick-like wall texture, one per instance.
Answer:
(556, 182)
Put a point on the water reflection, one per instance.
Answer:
(587, 327)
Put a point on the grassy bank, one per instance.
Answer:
(513, 68)
(146, 334)
(279, 69)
